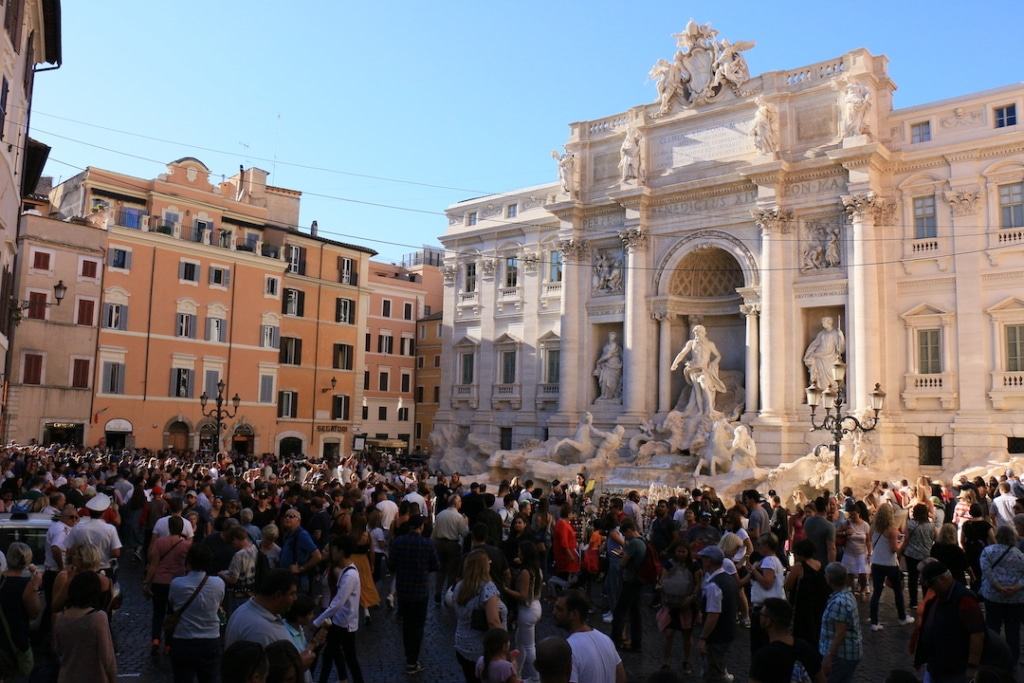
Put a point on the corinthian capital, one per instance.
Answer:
(868, 205)
(963, 202)
(574, 249)
(750, 309)
(773, 219)
(633, 239)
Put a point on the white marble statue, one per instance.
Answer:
(701, 371)
(607, 272)
(629, 156)
(608, 370)
(730, 66)
(581, 442)
(744, 449)
(856, 105)
(763, 130)
(823, 352)
(566, 163)
(668, 80)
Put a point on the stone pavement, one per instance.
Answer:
(380, 644)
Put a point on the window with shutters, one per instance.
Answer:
(291, 351)
(216, 330)
(210, 379)
(382, 413)
(366, 380)
(266, 388)
(406, 382)
(294, 302)
(270, 286)
(347, 271)
(270, 336)
(367, 341)
(225, 238)
(924, 217)
(201, 230)
(929, 352)
(343, 356)
(41, 260)
(1015, 348)
(419, 394)
(287, 404)
(385, 308)
(437, 394)
(89, 269)
(120, 259)
(86, 313)
(185, 325)
(115, 316)
(345, 311)
(37, 305)
(383, 379)
(32, 368)
(80, 373)
(113, 377)
(296, 259)
(437, 361)
(219, 277)
(181, 382)
(188, 272)
(408, 311)
(340, 407)
(419, 362)
(1011, 205)
(403, 414)
(385, 343)
(365, 412)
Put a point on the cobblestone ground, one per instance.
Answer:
(380, 644)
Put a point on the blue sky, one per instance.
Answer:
(472, 96)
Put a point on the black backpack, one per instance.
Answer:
(262, 569)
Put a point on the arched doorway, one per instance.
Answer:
(177, 436)
(243, 439)
(290, 447)
(699, 287)
(117, 433)
(208, 437)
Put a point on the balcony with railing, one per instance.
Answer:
(1007, 390)
(468, 298)
(925, 390)
(547, 392)
(464, 395)
(348, 278)
(1006, 237)
(134, 219)
(509, 293)
(507, 394)
(551, 290)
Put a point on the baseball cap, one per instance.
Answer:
(712, 552)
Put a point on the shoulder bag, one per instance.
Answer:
(172, 618)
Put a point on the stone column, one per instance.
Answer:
(571, 393)
(750, 375)
(635, 347)
(774, 224)
(864, 349)
(664, 361)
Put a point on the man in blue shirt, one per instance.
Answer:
(299, 553)
(413, 558)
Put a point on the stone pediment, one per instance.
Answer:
(467, 341)
(549, 338)
(506, 339)
(924, 310)
(1009, 304)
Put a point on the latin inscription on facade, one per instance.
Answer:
(606, 166)
(813, 187)
(723, 140)
(704, 205)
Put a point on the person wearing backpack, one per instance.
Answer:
(784, 659)
(634, 554)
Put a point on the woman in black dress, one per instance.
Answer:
(808, 592)
(974, 536)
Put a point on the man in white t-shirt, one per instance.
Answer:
(160, 529)
(388, 508)
(96, 532)
(594, 658)
(414, 496)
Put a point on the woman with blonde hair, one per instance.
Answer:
(962, 511)
(81, 558)
(478, 607)
(885, 566)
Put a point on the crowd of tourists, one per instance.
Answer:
(264, 570)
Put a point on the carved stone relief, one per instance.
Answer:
(961, 118)
(963, 202)
(820, 244)
(608, 275)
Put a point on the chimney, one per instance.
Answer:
(313, 228)
(240, 191)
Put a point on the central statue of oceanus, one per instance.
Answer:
(701, 371)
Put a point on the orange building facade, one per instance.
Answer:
(207, 283)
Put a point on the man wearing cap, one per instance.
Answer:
(94, 531)
(952, 636)
(720, 601)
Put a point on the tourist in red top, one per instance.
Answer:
(565, 547)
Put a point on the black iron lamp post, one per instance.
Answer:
(59, 290)
(219, 413)
(837, 424)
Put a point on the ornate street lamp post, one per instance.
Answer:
(219, 413)
(839, 425)
(59, 290)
